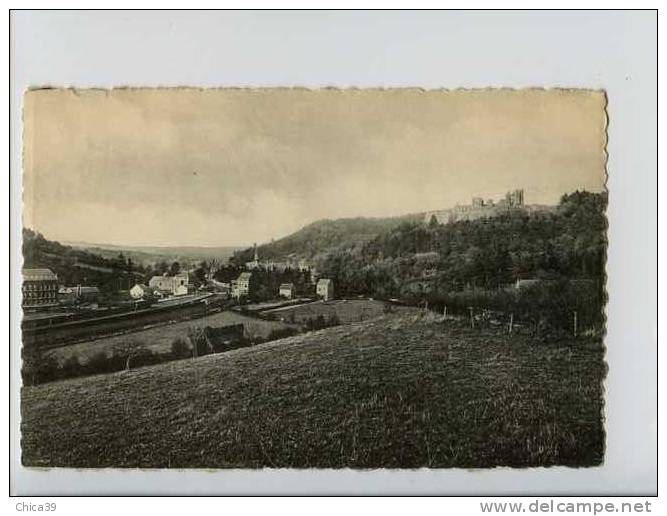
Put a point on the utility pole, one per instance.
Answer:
(511, 321)
(574, 314)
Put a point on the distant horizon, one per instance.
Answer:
(250, 244)
(221, 166)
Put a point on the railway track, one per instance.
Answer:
(72, 332)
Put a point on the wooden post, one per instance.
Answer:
(444, 312)
(511, 321)
(426, 306)
(575, 322)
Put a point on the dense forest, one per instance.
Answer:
(417, 261)
(484, 253)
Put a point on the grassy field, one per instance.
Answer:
(159, 338)
(397, 391)
(347, 310)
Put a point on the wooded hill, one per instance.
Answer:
(417, 261)
(317, 239)
(77, 266)
(485, 253)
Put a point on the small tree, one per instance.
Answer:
(129, 350)
(198, 341)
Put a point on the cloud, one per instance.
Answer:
(230, 167)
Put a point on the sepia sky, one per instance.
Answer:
(235, 166)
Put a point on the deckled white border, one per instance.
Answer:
(611, 51)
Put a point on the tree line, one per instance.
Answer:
(428, 261)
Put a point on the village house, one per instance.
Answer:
(241, 285)
(325, 289)
(40, 288)
(286, 290)
(171, 285)
(141, 291)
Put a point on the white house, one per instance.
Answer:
(325, 289)
(241, 286)
(286, 290)
(180, 290)
(140, 291)
(170, 284)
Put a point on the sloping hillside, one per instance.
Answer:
(79, 266)
(149, 255)
(397, 391)
(321, 236)
(566, 243)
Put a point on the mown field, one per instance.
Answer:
(399, 391)
(159, 338)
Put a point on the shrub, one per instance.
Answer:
(71, 368)
(99, 363)
(321, 322)
(281, 333)
(145, 357)
(180, 349)
(38, 367)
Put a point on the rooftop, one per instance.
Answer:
(39, 275)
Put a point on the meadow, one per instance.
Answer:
(160, 337)
(403, 390)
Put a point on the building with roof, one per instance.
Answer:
(40, 288)
(241, 286)
(286, 290)
(325, 289)
(141, 291)
(171, 285)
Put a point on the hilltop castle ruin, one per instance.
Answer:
(480, 208)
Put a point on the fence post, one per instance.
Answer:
(511, 321)
(444, 313)
(575, 322)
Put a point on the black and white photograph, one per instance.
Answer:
(292, 278)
